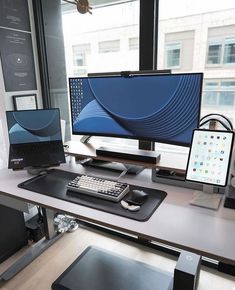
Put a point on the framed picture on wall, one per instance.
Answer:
(25, 102)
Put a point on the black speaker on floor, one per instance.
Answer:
(187, 270)
(13, 234)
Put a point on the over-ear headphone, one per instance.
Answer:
(225, 122)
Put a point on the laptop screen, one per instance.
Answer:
(34, 126)
(35, 138)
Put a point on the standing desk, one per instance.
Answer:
(175, 222)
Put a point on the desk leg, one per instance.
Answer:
(34, 251)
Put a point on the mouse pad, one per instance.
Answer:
(99, 269)
(54, 182)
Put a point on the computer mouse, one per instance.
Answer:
(137, 197)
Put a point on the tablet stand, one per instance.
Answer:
(208, 198)
(36, 170)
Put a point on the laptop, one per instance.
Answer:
(35, 138)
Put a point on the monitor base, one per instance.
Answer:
(207, 200)
(114, 166)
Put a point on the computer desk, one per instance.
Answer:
(174, 223)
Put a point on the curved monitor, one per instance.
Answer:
(156, 107)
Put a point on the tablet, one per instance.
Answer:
(209, 156)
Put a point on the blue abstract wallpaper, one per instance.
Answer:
(164, 108)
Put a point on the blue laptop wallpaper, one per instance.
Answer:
(33, 126)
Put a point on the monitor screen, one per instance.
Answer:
(209, 157)
(162, 108)
(35, 138)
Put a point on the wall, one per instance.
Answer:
(6, 102)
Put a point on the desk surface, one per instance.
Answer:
(174, 223)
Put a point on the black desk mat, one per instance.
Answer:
(54, 182)
(99, 269)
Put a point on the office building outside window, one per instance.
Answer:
(112, 33)
(193, 36)
(207, 36)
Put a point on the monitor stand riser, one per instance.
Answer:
(116, 166)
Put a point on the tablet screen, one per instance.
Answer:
(209, 157)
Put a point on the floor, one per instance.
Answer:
(40, 274)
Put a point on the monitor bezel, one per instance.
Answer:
(229, 162)
(138, 138)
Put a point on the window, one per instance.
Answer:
(113, 28)
(173, 55)
(229, 51)
(106, 41)
(80, 57)
(219, 93)
(200, 37)
(109, 46)
(227, 94)
(221, 52)
(210, 94)
(214, 54)
(133, 43)
(178, 50)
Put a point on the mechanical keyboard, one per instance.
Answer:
(99, 187)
